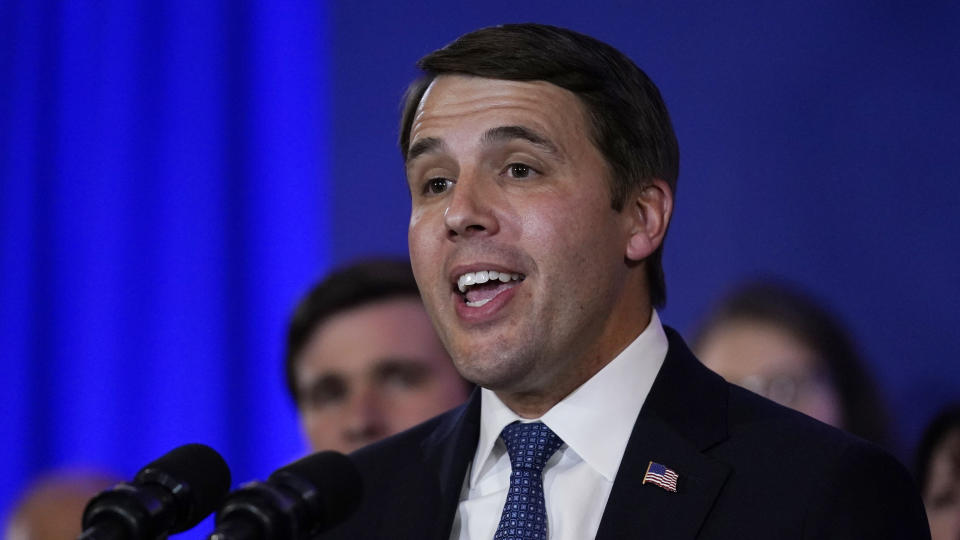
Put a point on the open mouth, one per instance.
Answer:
(478, 288)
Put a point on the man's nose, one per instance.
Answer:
(471, 208)
(364, 420)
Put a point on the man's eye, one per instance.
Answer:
(323, 393)
(519, 170)
(436, 186)
(404, 380)
(406, 375)
(943, 500)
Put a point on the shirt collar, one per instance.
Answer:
(596, 419)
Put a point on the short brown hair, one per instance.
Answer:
(630, 123)
(361, 283)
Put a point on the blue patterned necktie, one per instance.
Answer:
(525, 513)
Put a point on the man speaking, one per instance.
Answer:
(542, 166)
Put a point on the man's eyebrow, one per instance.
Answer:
(397, 364)
(508, 133)
(325, 381)
(491, 136)
(424, 146)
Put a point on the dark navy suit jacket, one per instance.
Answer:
(748, 469)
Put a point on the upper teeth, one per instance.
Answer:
(483, 276)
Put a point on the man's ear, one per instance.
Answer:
(648, 211)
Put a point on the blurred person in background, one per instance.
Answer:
(51, 508)
(779, 342)
(938, 473)
(362, 359)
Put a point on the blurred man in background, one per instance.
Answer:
(363, 361)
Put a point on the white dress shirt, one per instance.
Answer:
(594, 422)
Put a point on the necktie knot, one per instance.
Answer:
(529, 445)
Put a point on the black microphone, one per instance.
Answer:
(298, 501)
(169, 495)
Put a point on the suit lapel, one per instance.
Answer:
(684, 415)
(448, 452)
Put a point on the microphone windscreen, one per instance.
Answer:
(333, 481)
(198, 478)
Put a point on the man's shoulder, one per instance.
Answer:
(821, 480)
(405, 479)
(776, 430)
(766, 436)
(751, 415)
(785, 474)
(736, 417)
(411, 441)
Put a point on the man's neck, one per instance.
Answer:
(556, 386)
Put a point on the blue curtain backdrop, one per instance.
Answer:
(174, 175)
(164, 203)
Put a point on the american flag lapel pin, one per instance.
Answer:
(661, 476)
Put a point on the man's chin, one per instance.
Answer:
(493, 370)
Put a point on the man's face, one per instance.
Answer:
(503, 177)
(373, 371)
